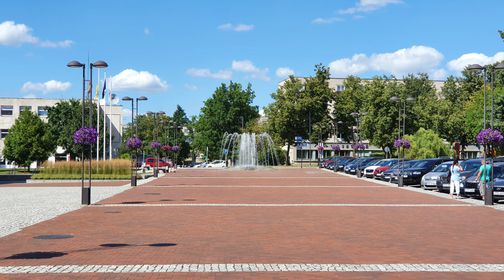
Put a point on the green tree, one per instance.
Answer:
(300, 106)
(180, 121)
(28, 140)
(379, 124)
(425, 143)
(64, 119)
(349, 101)
(223, 112)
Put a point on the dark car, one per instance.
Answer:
(392, 173)
(342, 162)
(469, 166)
(413, 175)
(371, 168)
(469, 186)
(351, 168)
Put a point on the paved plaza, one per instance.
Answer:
(283, 223)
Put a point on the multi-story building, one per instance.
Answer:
(10, 108)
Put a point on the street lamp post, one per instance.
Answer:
(402, 107)
(141, 98)
(86, 192)
(133, 162)
(488, 191)
(357, 116)
(156, 169)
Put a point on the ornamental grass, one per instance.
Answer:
(112, 168)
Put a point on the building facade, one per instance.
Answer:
(10, 108)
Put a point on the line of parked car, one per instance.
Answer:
(429, 174)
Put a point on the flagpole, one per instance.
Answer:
(98, 117)
(104, 118)
(110, 120)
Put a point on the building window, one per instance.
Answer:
(3, 133)
(22, 108)
(42, 111)
(6, 110)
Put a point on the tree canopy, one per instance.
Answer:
(28, 140)
(223, 112)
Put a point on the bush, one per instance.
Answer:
(105, 169)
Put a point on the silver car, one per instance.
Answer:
(428, 181)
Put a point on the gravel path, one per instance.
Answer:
(25, 206)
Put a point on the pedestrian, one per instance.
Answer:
(455, 170)
(483, 177)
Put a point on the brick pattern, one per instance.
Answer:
(251, 267)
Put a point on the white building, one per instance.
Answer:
(10, 109)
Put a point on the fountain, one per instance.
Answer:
(248, 150)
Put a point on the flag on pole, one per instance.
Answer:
(89, 89)
(97, 91)
(104, 88)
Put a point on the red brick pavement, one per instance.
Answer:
(133, 234)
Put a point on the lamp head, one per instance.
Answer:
(142, 98)
(75, 64)
(127, 98)
(394, 99)
(410, 99)
(475, 67)
(100, 64)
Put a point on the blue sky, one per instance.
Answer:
(178, 52)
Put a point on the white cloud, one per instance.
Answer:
(191, 87)
(236, 27)
(146, 31)
(49, 86)
(12, 34)
(330, 20)
(364, 6)
(401, 62)
(30, 95)
(284, 72)
(132, 80)
(474, 58)
(246, 66)
(206, 73)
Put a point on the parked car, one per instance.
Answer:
(392, 174)
(359, 163)
(369, 170)
(413, 175)
(341, 162)
(428, 181)
(200, 165)
(469, 166)
(217, 164)
(151, 162)
(469, 186)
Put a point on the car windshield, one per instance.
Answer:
(442, 167)
(422, 163)
(499, 171)
(470, 165)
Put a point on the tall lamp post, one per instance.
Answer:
(141, 98)
(402, 107)
(357, 116)
(133, 162)
(488, 191)
(86, 192)
(156, 169)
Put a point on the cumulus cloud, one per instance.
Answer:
(236, 27)
(284, 72)
(132, 80)
(17, 34)
(364, 6)
(330, 20)
(206, 73)
(246, 66)
(401, 62)
(191, 87)
(464, 60)
(49, 86)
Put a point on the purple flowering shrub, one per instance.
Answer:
(85, 136)
(359, 146)
(155, 145)
(175, 148)
(134, 143)
(398, 143)
(489, 136)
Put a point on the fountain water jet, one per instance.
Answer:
(248, 150)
